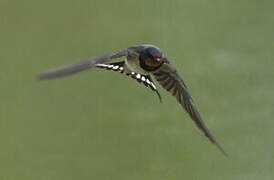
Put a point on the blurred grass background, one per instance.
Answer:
(101, 125)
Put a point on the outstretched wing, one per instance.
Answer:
(168, 77)
(80, 66)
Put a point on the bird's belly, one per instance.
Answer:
(134, 66)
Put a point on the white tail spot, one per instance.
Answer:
(138, 76)
(115, 67)
(143, 78)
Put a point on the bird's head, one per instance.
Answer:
(152, 56)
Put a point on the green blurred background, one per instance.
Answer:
(101, 125)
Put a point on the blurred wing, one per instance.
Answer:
(168, 77)
(80, 66)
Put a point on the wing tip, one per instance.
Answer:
(44, 76)
(221, 149)
(40, 77)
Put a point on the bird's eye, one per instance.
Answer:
(156, 56)
(152, 62)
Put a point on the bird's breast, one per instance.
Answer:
(133, 65)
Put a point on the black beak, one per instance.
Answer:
(164, 59)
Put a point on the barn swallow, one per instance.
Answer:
(141, 62)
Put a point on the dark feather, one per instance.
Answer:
(80, 66)
(168, 77)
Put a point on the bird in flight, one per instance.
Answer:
(141, 62)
